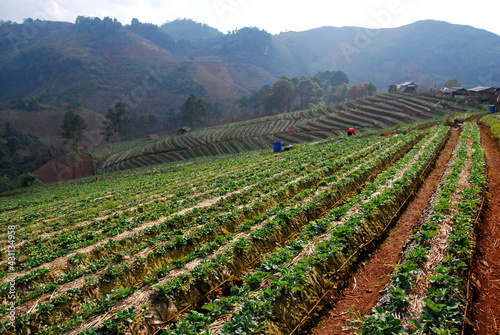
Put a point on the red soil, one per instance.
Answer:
(65, 170)
(485, 313)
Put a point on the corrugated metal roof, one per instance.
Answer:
(454, 89)
(480, 88)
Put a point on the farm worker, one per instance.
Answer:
(351, 131)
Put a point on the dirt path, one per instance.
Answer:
(362, 292)
(485, 313)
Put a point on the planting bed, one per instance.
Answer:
(470, 305)
(255, 243)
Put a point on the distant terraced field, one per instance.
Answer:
(368, 114)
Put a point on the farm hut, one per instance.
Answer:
(456, 92)
(407, 87)
(483, 94)
(183, 130)
(152, 137)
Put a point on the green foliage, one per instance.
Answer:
(254, 101)
(308, 92)
(194, 109)
(65, 64)
(73, 126)
(153, 33)
(451, 83)
(28, 179)
(116, 120)
(249, 42)
(189, 33)
(341, 92)
(193, 324)
(382, 322)
(330, 80)
(276, 215)
(20, 153)
(445, 301)
(278, 98)
(327, 86)
(21, 104)
(493, 121)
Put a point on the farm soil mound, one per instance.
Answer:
(66, 170)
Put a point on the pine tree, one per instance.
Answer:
(73, 126)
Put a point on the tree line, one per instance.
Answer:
(285, 95)
(291, 94)
(22, 104)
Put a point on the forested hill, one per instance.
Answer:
(95, 62)
(425, 52)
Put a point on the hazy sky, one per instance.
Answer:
(274, 16)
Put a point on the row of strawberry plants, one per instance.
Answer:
(158, 207)
(403, 108)
(240, 244)
(328, 122)
(108, 250)
(58, 202)
(188, 258)
(153, 240)
(280, 302)
(343, 121)
(266, 237)
(443, 310)
(183, 194)
(355, 171)
(398, 116)
(449, 284)
(36, 251)
(382, 120)
(282, 122)
(397, 296)
(254, 130)
(428, 103)
(261, 184)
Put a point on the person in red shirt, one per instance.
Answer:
(351, 131)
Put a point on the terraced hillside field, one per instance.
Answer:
(368, 114)
(251, 243)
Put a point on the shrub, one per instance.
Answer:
(494, 123)
(28, 179)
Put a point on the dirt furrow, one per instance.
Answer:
(362, 291)
(485, 313)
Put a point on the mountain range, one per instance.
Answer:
(93, 63)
